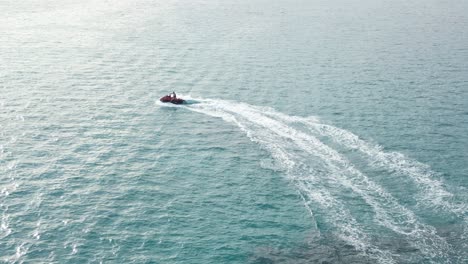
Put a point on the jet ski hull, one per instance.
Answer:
(168, 99)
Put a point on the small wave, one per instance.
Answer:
(20, 251)
(5, 229)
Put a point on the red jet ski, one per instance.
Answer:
(172, 99)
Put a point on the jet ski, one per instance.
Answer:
(171, 99)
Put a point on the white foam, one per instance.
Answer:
(253, 124)
(273, 131)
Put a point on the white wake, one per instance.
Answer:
(321, 174)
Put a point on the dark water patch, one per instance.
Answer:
(318, 253)
(328, 248)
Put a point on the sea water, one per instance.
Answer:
(314, 131)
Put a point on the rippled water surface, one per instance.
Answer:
(314, 131)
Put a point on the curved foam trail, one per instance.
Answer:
(276, 136)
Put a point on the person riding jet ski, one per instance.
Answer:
(172, 98)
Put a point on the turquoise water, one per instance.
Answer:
(315, 131)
